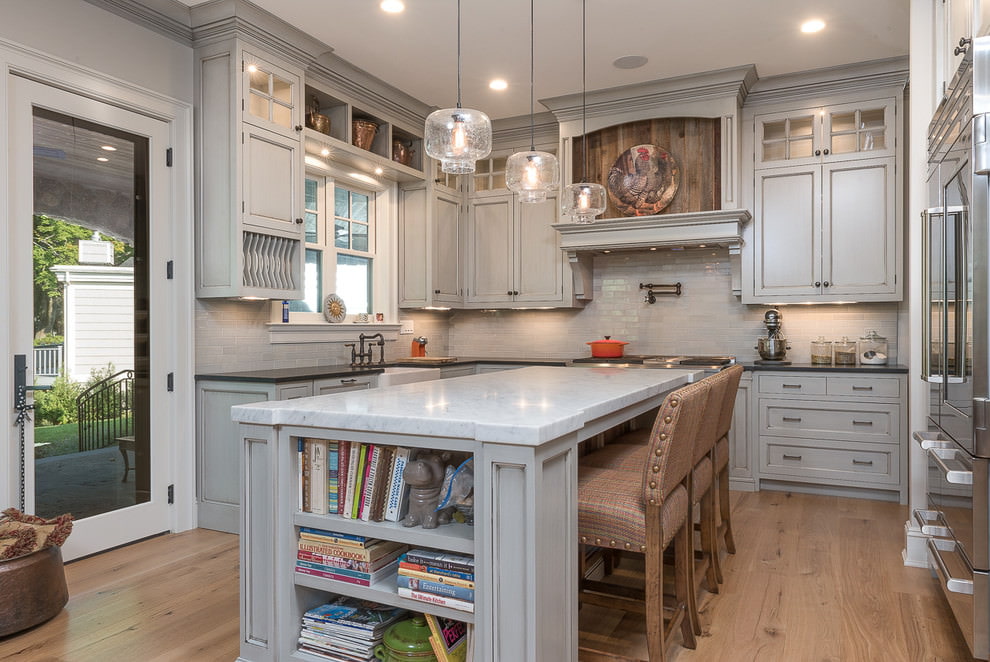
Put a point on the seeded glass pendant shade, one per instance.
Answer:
(457, 137)
(532, 175)
(583, 201)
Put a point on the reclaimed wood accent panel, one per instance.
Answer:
(694, 142)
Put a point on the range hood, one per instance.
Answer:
(721, 227)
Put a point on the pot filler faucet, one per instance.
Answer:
(365, 356)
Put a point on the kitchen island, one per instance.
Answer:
(523, 429)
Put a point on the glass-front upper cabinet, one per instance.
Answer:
(826, 134)
(270, 95)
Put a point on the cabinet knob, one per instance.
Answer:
(818, 152)
(299, 127)
(825, 283)
(299, 221)
(436, 291)
(818, 283)
(963, 44)
(509, 293)
(515, 293)
(825, 151)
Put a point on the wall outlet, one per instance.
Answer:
(406, 327)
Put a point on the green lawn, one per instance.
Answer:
(52, 440)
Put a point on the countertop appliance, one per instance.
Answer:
(708, 363)
(956, 231)
(773, 346)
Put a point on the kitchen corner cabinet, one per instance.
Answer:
(218, 444)
(742, 456)
(842, 433)
(249, 181)
(430, 247)
(827, 205)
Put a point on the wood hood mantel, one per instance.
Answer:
(721, 227)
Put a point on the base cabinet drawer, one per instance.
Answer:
(877, 423)
(792, 385)
(864, 387)
(872, 463)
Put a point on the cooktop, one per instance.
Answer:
(660, 360)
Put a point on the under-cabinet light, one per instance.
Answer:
(812, 26)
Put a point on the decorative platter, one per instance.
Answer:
(643, 180)
(334, 309)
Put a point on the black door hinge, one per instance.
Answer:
(171, 493)
(168, 157)
(169, 270)
(170, 381)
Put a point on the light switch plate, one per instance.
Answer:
(406, 327)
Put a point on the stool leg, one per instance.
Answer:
(709, 543)
(724, 509)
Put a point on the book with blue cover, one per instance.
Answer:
(354, 613)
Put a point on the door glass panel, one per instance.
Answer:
(844, 144)
(258, 80)
(281, 115)
(258, 106)
(774, 130)
(870, 140)
(801, 148)
(91, 317)
(844, 121)
(871, 118)
(774, 151)
(801, 126)
(281, 89)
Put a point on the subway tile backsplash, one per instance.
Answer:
(705, 319)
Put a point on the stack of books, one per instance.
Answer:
(353, 480)
(452, 640)
(346, 629)
(440, 579)
(345, 557)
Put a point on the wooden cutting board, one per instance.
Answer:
(429, 359)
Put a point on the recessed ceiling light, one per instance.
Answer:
(108, 148)
(630, 62)
(378, 171)
(324, 152)
(102, 159)
(392, 6)
(814, 25)
(498, 84)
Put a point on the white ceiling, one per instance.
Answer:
(415, 51)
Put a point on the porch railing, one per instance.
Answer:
(47, 360)
(105, 411)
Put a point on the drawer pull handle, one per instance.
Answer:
(862, 422)
(792, 457)
(348, 381)
(862, 388)
(791, 419)
(791, 385)
(863, 463)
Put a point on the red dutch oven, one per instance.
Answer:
(607, 348)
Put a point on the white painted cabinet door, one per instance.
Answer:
(859, 228)
(490, 249)
(539, 260)
(413, 258)
(446, 249)
(272, 184)
(788, 251)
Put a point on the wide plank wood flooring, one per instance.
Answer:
(816, 579)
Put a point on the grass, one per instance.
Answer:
(52, 440)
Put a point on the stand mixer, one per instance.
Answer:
(772, 347)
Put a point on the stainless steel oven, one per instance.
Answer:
(956, 242)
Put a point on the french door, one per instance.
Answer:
(88, 194)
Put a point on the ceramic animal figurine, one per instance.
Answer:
(424, 477)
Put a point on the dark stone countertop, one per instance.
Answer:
(894, 368)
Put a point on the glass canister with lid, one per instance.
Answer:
(873, 349)
(821, 351)
(845, 351)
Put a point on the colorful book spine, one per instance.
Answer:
(441, 560)
(350, 564)
(397, 499)
(333, 466)
(431, 570)
(352, 469)
(335, 536)
(370, 476)
(306, 477)
(370, 553)
(300, 453)
(440, 600)
(317, 452)
(436, 588)
(440, 579)
(325, 574)
(343, 574)
(385, 463)
(343, 464)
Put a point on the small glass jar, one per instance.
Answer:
(821, 351)
(873, 349)
(845, 351)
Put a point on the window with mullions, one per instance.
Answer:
(340, 246)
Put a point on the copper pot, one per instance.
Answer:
(401, 152)
(315, 120)
(364, 133)
(607, 348)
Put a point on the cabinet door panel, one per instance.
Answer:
(446, 250)
(539, 260)
(788, 250)
(859, 228)
(272, 184)
(490, 259)
(413, 234)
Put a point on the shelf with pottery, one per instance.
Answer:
(343, 133)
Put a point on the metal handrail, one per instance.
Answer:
(104, 411)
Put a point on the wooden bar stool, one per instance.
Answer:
(647, 512)
(724, 529)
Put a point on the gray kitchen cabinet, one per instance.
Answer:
(841, 433)
(249, 185)
(218, 444)
(827, 204)
(430, 240)
(742, 457)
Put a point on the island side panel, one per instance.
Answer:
(530, 613)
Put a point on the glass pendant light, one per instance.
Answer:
(585, 200)
(457, 137)
(532, 174)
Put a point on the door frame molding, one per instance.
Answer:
(179, 327)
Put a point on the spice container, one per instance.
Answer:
(873, 349)
(821, 351)
(845, 352)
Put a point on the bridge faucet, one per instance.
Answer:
(369, 354)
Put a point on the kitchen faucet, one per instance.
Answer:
(364, 356)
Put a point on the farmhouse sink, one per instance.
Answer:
(400, 375)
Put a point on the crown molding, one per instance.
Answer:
(166, 17)
(822, 83)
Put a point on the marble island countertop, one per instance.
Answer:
(534, 405)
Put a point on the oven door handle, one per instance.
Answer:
(959, 473)
(928, 440)
(924, 518)
(952, 584)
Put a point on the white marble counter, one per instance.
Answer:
(528, 406)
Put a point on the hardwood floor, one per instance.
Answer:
(815, 579)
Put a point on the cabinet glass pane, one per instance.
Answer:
(354, 282)
(498, 163)
(312, 187)
(498, 181)
(871, 119)
(258, 81)
(801, 126)
(341, 234)
(341, 202)
(282, 90)
(481, 183)
(481, 166)
(843, 122)
(870, 140)
(258, 106)
(359, 237)
(282, 115)
(312, 284)
(775, 130)
(800, 148)
(844, 144)
(359, 207)
(774, 151)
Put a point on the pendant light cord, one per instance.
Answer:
(584, 91)
(458, 53)
(532, 67)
